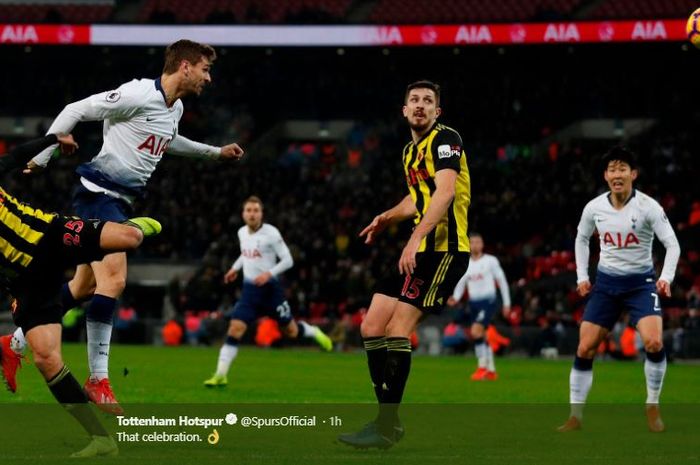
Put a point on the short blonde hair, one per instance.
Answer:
(253, 199)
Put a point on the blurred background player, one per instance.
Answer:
(36, 249)
(140, 125)
(626, 221)
(431, 263)
(480, 279)
(261, 247)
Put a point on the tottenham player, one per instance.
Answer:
(481, 277)
(140, 125)
(626, 221)
(261, 247)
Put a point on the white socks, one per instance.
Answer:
(490, 365)
(481, 354)
(18, 343)
(309, 330)
(98, 336)
(227, 353)
(579, 385)
(654, 373)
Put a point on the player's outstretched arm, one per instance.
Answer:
(403, 210)
(184, 147)
(121, 103)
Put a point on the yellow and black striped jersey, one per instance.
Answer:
(440, 148)
(21, 226)
(21, 229)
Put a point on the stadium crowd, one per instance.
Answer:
(527, 189)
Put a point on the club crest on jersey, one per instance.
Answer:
(113, 96)
(421, 155)
(615, 240)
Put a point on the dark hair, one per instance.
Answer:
(424, 84)
(186, 50)
(253, 199)
(619, 153)
(475, 234)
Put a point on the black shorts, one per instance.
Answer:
(68, 242)
(432, 282)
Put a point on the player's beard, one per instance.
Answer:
(420, 128)
(254, 225)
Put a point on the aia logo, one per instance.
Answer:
(150, 146)
(476, 277)
(251, 253)
(616, 240)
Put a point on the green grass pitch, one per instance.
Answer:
(447, 416)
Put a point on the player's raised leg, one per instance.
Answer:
(113, 237)
(651, 330)
(79, 289)
(581, 376)
(302, 329)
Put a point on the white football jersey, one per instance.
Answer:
(481, 277)
(626, 237)
(260, 250)
(138, 129)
